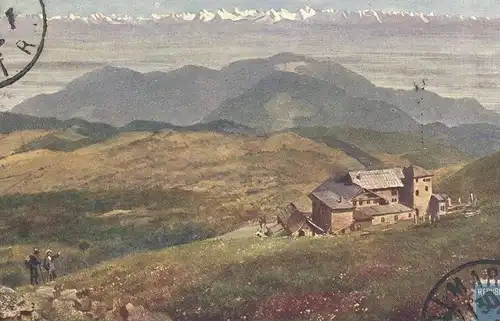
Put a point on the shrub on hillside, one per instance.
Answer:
(83, 245)
(15, 278)
(22, 225)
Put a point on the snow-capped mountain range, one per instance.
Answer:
(305, 14)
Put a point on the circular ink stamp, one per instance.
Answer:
(469, 292)
(22, 39)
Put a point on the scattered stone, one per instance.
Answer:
(108, 303)
(66, 309)
(46, 292)
(45, 303)
(85, 305)
(129, 312)
(124, 311)
(110, 316)
(83, 293)
(69, 295)
(99, 309)
(45, 309)
(8, 304)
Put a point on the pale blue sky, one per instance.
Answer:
(145, 7)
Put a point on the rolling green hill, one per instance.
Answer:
(365, 145)
(481, 177)
(70, 135)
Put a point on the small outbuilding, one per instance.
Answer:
(296, 223)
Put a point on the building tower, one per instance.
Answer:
(417, 191)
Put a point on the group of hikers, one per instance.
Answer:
(35, 264)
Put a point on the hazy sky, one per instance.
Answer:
(145, 7)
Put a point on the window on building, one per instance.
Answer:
(396, 217)
(416, 179)
(358, 226)
(409, 215)
(417, 192)
(394, 192)
(343, 231)
(368, 202)
(382, 219)
(394, 200)
(442, 207)
(360, 202)
(354, 202)
(427, 188)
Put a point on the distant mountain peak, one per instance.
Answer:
(276, 15)
(106, 74)
(292, 89)
(289, 57)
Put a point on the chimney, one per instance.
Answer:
(449, 201)
(358, 176)
(341, 199)
(459, 200)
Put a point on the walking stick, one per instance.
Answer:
(41, 274)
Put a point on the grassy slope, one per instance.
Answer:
(171, 188)
(281, 279)
(9, 143)
(73, 134)
(138, 191)
(193, 161)
(371, 148)
(481, 177)
(381, 146)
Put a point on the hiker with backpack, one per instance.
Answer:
(49, 264)
(32, 262)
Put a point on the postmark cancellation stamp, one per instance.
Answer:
(468, 292)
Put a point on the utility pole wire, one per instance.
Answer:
(419, 88)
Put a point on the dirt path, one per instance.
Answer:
(248, 231)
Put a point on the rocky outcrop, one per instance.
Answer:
(14, 307)
(50, 304)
